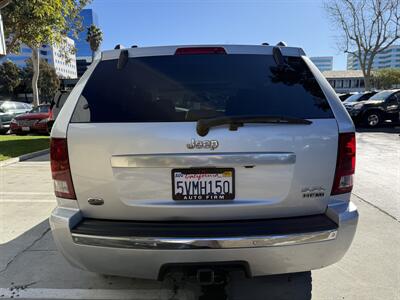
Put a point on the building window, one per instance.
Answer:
(26, 50)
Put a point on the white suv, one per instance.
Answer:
(221, 156)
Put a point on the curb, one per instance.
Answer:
(24, 157)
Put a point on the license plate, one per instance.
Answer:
(25, 128)
(203, 184)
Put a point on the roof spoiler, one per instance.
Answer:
(123, 59)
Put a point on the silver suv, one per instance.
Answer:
(221, 156)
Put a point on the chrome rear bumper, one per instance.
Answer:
(144, 256)
(204, 243)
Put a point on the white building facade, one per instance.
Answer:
(64, 64)
(346, 81)
(389, 58)
(64, 59)
(323, 63)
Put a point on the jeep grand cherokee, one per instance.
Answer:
(220, 155)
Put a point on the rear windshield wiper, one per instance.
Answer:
(204, 125)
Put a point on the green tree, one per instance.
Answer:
(38, 22)
(10, 77)
(48, 82)
(387, 78)
(367, 27)
(94, 38)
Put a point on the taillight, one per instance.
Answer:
(60, 170)
(345, 165)
(200, 50)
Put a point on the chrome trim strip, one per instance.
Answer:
(185, 160)
(204, 243)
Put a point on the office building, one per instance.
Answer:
(65, 67)
(83, 51)
(345, 81)
(389, 58)
(323, 63)
(82, 46)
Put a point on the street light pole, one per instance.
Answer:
(3, 3)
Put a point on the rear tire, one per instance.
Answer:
(372, 119)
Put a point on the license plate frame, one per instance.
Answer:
(205, 171)
(25, 128)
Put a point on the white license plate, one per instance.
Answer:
(203, 184)
(25, 128)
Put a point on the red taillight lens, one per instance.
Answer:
(200, 50)
(60, 170)
(345, 165)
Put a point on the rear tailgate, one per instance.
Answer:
(295, 166)
(131, 128)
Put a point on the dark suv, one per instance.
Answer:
(382, 106)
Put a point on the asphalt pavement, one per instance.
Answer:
(32, 268)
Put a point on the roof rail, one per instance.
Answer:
(281, 44)
(119, 46)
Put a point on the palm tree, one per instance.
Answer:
(94, 38)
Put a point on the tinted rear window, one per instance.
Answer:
(191, 87)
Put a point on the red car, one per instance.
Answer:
(35, 121)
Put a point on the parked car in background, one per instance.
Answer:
(358, 97)
(56, 104)
(381, 107)
(343, 97)
(9, 110)
(35, 121)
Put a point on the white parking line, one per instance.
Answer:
(38, 293)
(25, 193)
(27, 200)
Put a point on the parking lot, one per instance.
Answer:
(31, 267)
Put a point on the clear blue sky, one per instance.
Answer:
(169, 22)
